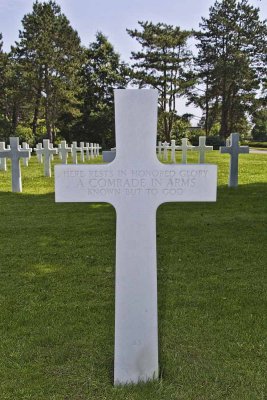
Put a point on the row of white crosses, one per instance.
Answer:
(91, 150)
(232, 147)
(44, 152)
(184, 147)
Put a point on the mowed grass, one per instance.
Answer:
(57, 273)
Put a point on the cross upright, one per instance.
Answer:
(47, 151)
(63, 150)
(135, 183)
(39, 154)
(173, 148)
(74, 151)
(82, 147)
(25, 146)
(184, 147)
(2, 159)
(159, 147)
(165, 150)
(15, 153)
(87, 148)
(234, 150)
(92, 153)
(202, 149)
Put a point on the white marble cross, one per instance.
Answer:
(98, 149)
(165, 150)
(135, 183)
(95, 149)
(63, 151)
(25, 146)
(15, 153)
(92, 154)
(87, 149)
(59, 152)
(2, 159)
(159, 147)
(234, 150)
(202, 149)
(82, 148)
(74, 151)
(173, 148)
(184, 147)
(47, 151)
(39, 155)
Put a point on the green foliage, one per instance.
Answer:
(4, 129)
(259, 131)
(164, 64)
(25, 134)
(49, 83)
(102, 73)
(49, 54)
(262, 145)
(230, 65)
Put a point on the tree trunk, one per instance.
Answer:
(36, 111)
(48, 123)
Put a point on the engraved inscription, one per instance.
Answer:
(136, 182)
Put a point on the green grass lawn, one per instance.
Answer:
(57, 271)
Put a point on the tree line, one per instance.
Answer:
(52, 86)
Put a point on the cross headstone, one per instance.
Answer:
(15, 153)
(173, 148)
(92, 154)
(74, 151)
(82, 148)
(52, 154)
(39, 155)
(234, 150)
(202, 149)
(159, 147)
(184, 147)
(165, 150)
(59, 151)
(2, 159)
(98, 149)
(63, 151)
(95, 149)
(25, 146)
(47, 151)
(135, 183)
(87, 151)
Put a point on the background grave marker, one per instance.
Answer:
(202, 149)
(15, 153)
(234, 150)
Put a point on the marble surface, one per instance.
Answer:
(202, 149)
(15, 153)
(234, 150)
(135, 183)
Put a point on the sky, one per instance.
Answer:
(112, 17)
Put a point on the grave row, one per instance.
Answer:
(44, 152)
(90, 151)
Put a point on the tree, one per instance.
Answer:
(259, 131)
(102, 73)
(50, 53)
(163, 63)
(230, 64)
